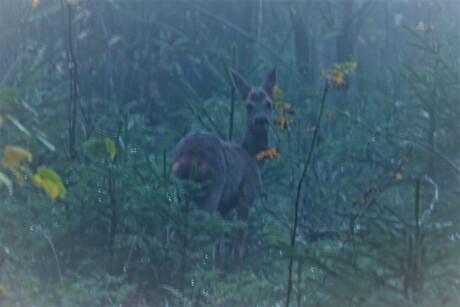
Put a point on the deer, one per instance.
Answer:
(231, 169)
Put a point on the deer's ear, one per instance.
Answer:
(241, 85)
(270, 82)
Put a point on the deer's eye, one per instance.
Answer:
(268, 105)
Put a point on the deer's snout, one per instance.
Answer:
(261, 122)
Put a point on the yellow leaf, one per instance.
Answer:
(338, 78)
(421, 26)
(13, 156)
(35, 3)
(111, 148)
(278, 105)
(398, 176)
(340, 69)
(281, 121)
(1, 120)
(281, 105)
(276, 92)
(99, 148)
(50, 181)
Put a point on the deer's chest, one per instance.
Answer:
(242, 177)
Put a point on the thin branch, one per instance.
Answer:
(48, 238)
(430, 208)
(424, 145)
(73, 91)
(297, 200)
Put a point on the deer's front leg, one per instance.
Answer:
(219, 254)
(211, 203)
(240, 240)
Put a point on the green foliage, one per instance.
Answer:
(99, 149)
(147, 72)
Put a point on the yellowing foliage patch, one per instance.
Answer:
(337, 74)
(45, 178)
(50, 181)
(284, 119)
(13, 156)
(111, 148)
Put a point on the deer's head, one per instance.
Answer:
(258, 101)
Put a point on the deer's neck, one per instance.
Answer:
(254, 143)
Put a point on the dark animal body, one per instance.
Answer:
(230, 169)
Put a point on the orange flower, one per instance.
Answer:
(336, 76)
(339, 79)
(283, 121)
(270, 153)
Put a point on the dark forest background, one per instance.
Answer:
(94, 95)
